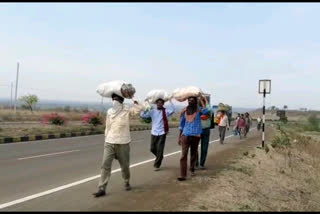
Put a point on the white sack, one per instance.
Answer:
(182, 94)
(156, 94)
(114, 87)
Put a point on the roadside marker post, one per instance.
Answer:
(16, 94)
(264, 88)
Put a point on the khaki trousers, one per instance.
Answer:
(114, 151)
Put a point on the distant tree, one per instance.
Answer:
(29, 101)
(285, 107)
(273, 109)
(85, 109)
(67, 109)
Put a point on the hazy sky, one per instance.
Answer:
(66, 49)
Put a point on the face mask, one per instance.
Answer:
(116, 104)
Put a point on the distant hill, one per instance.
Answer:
(95, 106)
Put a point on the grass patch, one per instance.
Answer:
(286, 178)
(243, 169)
(313, 124)
(246, 153)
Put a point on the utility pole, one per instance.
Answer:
(11, 96)
(263, 117)
(15, 99)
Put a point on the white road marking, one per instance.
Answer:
(21, 200)
(57, 153)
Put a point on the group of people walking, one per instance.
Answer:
(242, 125)
(196, 120)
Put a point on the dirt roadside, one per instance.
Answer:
(165, 193)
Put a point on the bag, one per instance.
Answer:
(222, 107)
(156, 94)
(120, 88)
(182, 94)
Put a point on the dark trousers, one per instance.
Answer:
(247, 130)
(187, 142)
(157, 148)
(205, 136)
(222, 133)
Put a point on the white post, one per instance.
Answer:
(15, 99)
(11, 104)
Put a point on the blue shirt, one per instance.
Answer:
(194, 128)
(157, 119)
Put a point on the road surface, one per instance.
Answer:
(62, 174)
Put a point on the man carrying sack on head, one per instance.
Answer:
(190, 132)
(117, 142)
(160, 129)
(207, 124)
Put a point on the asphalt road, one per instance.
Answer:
(61, 174)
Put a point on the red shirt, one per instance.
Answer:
(241, 123)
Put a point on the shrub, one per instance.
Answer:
(54, 119)
(313, 123)
(266, 149)
(146, 120)
(67, 109)
(93, 118)
(174, 119)
(280, 141)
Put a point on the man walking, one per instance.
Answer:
(190, 132)
(117, 142)
(241, 123)
(248, 123)
(235, 127)
(223, 125)
(160, 129)
(259, 123)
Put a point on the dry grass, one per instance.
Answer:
(291, 114)
(20, 130)
(7, 115)
(49, 129)
(284, 178)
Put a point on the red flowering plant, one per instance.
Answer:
(93, 118)
(53, 119)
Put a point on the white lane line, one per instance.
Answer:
(21, 200)
(57, 153)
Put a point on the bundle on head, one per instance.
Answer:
(182, 94)
(117, 87)
(154, 95)
(127, 91)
